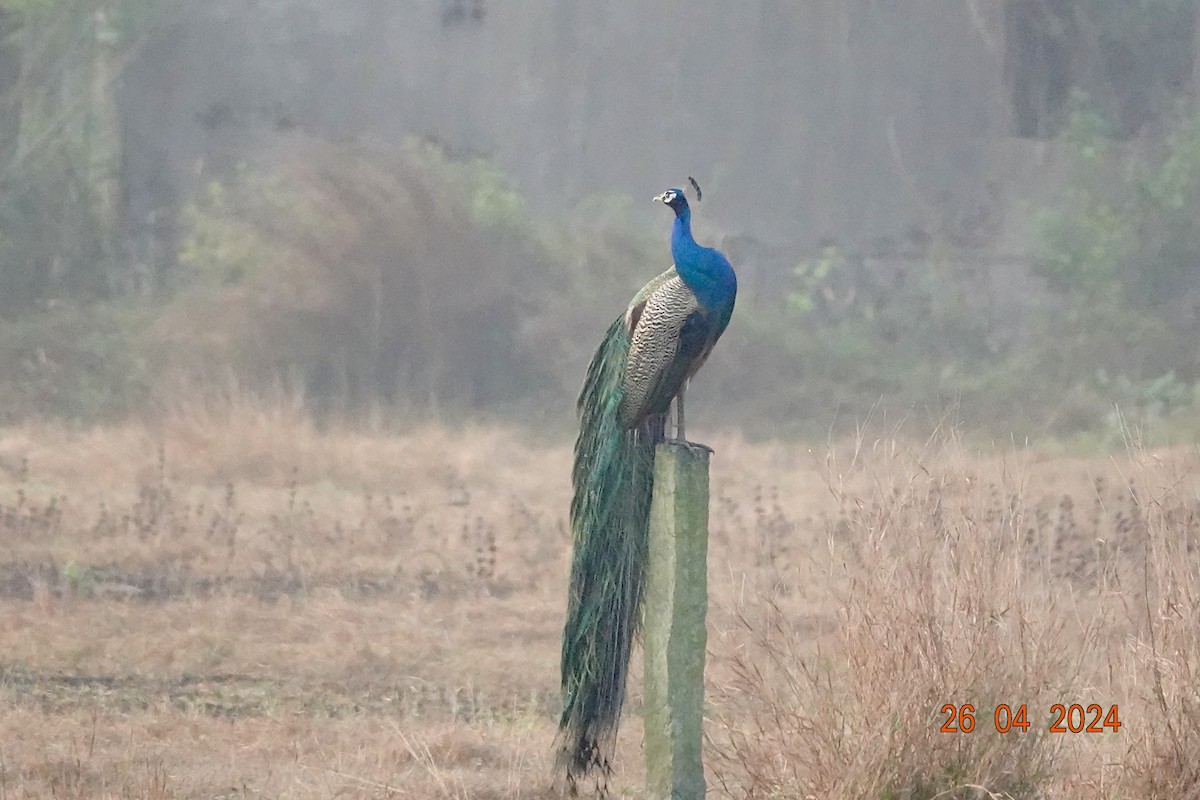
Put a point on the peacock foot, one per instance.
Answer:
(691, 445)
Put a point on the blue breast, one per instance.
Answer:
(706, 271)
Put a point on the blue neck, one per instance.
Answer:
(705, 271)
(681, 231)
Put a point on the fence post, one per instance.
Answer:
(675, 636)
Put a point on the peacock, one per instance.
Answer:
(643, 363)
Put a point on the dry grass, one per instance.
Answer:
(231, 603)
(960, 580)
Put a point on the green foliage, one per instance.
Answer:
(372, 274)
(1167, 202)
(1119, 251)
(1089, 135)
(1125, 231)
(225, 244)
(1122, 244)
(119, 21)
(492, 200)
(367, 274)
(363, 274)
(27, 6)
(54, 239)
(59, 149)
(80, 363)
(1084, 238)
(1109, 340)
(1084, 243)
(217, 246)
(811, 277)
(494, 204)
(81, 580)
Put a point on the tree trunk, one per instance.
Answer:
(103, 135)
(1196, 56)
(10, 98)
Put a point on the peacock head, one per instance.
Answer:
(675, 199)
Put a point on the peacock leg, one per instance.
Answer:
(680, 436)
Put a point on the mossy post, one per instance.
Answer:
(675, 636)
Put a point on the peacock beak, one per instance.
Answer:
(662, 198)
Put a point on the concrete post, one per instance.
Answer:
(675, 636)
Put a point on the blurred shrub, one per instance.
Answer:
(359, 275)
(1086, 236)
(1120, 249)
(81, 363)
(856, 339)
(59, 146)
(365, 274)
(1107, 341)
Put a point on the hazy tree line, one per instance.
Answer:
(412, 270)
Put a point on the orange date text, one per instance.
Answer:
(1073, 718)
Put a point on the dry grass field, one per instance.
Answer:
(233, 604)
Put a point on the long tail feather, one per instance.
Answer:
(613, 479)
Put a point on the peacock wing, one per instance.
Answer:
(670, 332)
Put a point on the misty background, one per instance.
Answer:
(979, 210)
